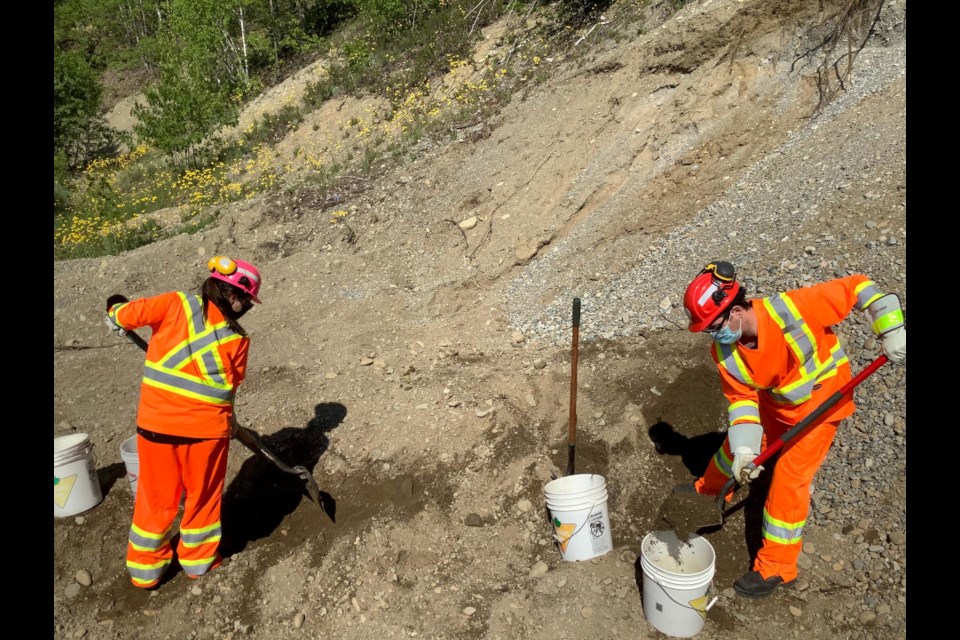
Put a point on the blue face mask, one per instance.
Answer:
(726, 335)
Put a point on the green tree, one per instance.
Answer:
(78, 129)
(202, 77)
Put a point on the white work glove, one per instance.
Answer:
(742, 456)
(895, 344)
(114, 327)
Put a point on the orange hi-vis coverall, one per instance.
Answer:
(797, 364)
(191, 374)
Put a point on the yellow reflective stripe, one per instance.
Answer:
(781, 531)
(185, 392)
(146, 534)
(859, 290)
(196, 563)
(741, 373)
(148, 567)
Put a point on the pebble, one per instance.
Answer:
(796, 611)
(473, 520)
(72, 590)
(524, 505)
(298, 620)
(469, 611)
(538, 569)
(897, 538)
(867, 618)
(586, 612)
(83, 577)
(539, 363)
(804, 561)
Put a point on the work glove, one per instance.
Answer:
(114, 327)
(742, 456)
(894, 344)
(887, 323)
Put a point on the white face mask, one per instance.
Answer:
(726, 335)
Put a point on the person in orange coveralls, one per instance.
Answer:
(778, 360)
(196, 359)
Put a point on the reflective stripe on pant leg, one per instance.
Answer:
(148, 546)
(788, 501)
(204, 466)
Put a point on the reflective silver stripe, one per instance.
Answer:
(801, 390)
(174, 381)
(201, 347)
(743, 411)
(724, 464)
(730, 360)
(145, 573)
(194, 311)
(195, 538)
(146, 541)
(867, 292)
(197, 567)
(780, 531)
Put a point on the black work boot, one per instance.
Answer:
(752, 585)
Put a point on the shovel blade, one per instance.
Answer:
(688, 512)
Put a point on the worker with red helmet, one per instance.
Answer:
(196, 359)
(779, 359)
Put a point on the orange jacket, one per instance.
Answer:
(192, 369)
(798, 362)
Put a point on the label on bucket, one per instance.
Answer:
(595, 524)
(62, 488)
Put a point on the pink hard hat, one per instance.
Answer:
(240, 274)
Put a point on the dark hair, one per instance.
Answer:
(214, 291)
(739, 300)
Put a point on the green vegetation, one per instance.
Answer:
(411, 62)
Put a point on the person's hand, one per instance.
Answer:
(114, 327)
(742, 457)
(895, 344)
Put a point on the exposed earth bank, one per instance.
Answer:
(422, 373)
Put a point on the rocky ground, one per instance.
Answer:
(422, 373)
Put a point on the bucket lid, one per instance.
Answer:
(71, 445)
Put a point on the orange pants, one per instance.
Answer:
(167, 471)
(788, 500)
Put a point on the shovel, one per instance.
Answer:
(247, 437)
(676, 511)
(572, 429)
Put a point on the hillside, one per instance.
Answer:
(422, 372)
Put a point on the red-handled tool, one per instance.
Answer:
(800, 426)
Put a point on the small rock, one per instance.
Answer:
(517, 337)
(538, 569)
(524, 505)
(628, 555)
(562, 583)
(473, 520)
(796, 611)
(80, 633)
(483, 413)
(898, 538)
(539, 363)
(83, 577)
(586, 612)
(366, 362)
(867, 618)
(805, 562)
(809, 548)
(356, 604)
(469, 223)
(72, 590)
(298, 620)
(530, 400)
(407, 487)
(469, 611)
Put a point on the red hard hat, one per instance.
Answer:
(710, 293)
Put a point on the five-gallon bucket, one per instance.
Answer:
(676, 580)
(76, 487)
(578, 512)
(131, 460)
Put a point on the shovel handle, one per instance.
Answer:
(803, 424)
(572, 431)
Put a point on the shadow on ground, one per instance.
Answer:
(261, 495)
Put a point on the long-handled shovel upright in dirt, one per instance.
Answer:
(248, 438)
(686, 510)
(572, 431)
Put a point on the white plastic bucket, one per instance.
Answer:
(131, 460)
(578, 513)
(677, 577)
(76, 487)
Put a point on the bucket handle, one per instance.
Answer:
(577, 529)
(681, 604)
